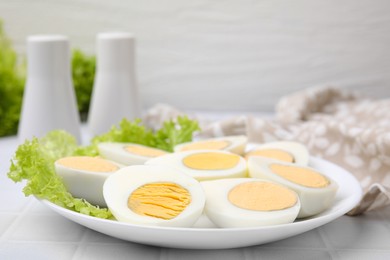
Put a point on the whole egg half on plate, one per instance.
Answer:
(233, 144)
(84, 176)
(154, 195)
(316, 191)
(204, 164)
(128, 153)
(249, 202)
(286, 151)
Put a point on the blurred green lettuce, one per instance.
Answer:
(83, 72)
(12, 77)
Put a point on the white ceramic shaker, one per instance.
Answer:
(49, 100)
(115, 93)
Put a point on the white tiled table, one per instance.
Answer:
(29, 230)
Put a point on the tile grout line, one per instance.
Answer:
(328, 246)
(81, 246)
(8, 232)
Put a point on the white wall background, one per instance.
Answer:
(227, 54)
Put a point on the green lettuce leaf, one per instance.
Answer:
(175, 132)
(171, 133)
(34, 160)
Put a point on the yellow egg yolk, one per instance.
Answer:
(262, 196)
(299, 175)
(85, 163)
(144, 151)
(162, 200)
(206, 145)
(211, 161)
(272, 153)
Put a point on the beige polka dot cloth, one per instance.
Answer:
(349, 130)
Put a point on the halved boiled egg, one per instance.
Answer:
(154, 195)
(247, 202)
(128, 153)
(205, 164)
(84, 176)
(234, 144)
(316, 191)
(291, 152)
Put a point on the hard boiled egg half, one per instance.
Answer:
(234, 144)
(84, 176)
(291, 152)
(204, 164)
(315, 190)
(154, 195)
(247, 202)
(128, 153)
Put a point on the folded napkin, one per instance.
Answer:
(342, 127)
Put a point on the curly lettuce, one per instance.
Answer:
(34, 160)
(171, 133)
(12, 77)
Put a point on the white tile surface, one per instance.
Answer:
(15, 201)
(363, 254)
(29, 230)
(119, 251)
(36, 251)
(96, 237)
(232, 254)
(46, 228)
(368, 231)
(291, 254)
(306, 240)
(5, 221)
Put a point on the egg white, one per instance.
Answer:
(175, 160)
(204, 222)
(226, 215)
(116, 152)
(119, 186)
(237, 143)
(313, 199)
(297, 150)
(84, 184)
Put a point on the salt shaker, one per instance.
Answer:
(115, 93)
(49, 101)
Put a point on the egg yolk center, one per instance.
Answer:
(207, 145)
(85, 163)
(299, 175)
(144, 151)
(262, 196)
(162, 200)
(272, 153)
(211, 161)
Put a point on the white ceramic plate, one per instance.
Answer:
(348, 195)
